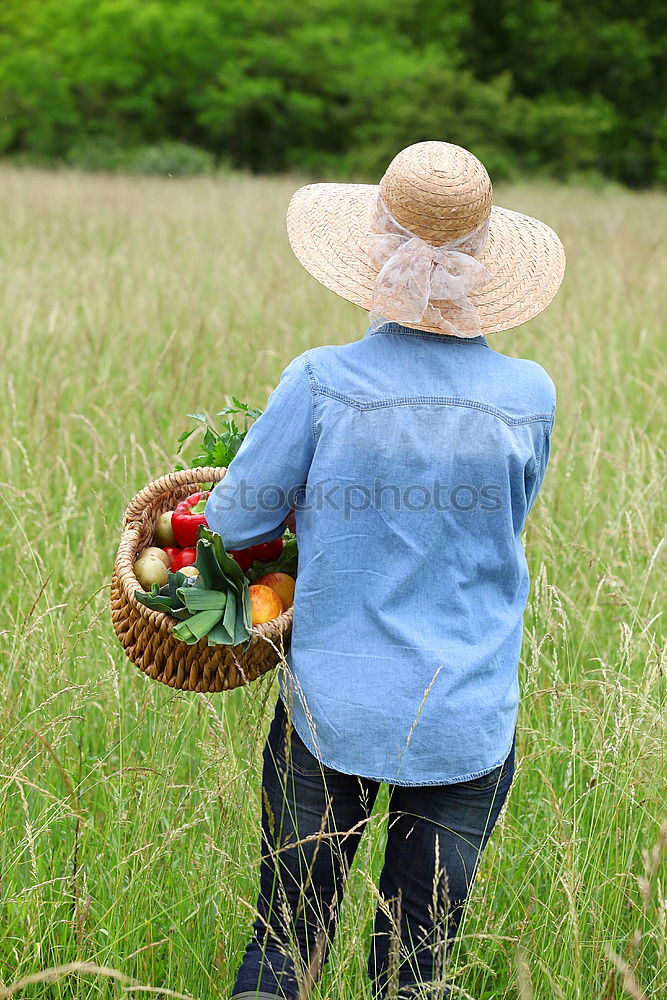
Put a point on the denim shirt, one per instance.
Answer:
(414, 459)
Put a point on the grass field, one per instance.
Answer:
(129, 814)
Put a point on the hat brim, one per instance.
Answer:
(328, 229)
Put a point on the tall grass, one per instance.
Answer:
(129, 813)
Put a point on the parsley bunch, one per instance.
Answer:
(218, 447)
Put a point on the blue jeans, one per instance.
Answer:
(301, 886)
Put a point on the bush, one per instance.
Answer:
(170, 159)
(95, 153)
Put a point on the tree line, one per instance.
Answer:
(336, 87)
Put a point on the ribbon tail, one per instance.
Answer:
(403, 284)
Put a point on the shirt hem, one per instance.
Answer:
(471, 776)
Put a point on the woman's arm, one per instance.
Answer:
(251, 503)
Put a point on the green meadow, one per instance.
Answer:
(130, 812)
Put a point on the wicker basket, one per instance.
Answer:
(147, 636)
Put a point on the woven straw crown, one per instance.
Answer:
(439, 192)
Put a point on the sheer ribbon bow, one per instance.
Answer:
(425, 284)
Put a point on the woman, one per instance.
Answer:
(413, 456)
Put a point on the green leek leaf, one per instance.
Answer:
(229, 617)
(203, 600)
(154, 602)
(219, 635)
(196, 627)
(213, 577)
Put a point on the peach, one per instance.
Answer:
(265, 604)
(282, 583)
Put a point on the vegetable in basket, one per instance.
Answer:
(150, 571)
(237, 598)
(186, 518)
(185, 557)
(171, 551)
(163, 532)
(219, 448)
(161, 554)
(214, 593)
(215, 603)
(267, 551)
(286, 562)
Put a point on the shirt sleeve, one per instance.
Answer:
(248, 506)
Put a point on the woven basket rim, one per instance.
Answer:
(128, 547)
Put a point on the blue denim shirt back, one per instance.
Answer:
(415, 458)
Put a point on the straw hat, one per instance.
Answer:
(439, 193)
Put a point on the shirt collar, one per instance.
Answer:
(409, 331)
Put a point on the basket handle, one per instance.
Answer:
(185, 477)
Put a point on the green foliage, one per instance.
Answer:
(168, 158)
(217, 448)
(175, 159)
(334, 86)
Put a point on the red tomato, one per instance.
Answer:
(243, 557)
(267, 551)
(186, 557)
(172, 551)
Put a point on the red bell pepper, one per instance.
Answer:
(187, 517)
(185, 558)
